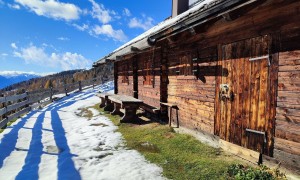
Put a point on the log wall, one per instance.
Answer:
(192, 86)
(149, 77)
(125, 77)
(287, 142)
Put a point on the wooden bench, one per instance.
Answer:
(128, 103)
(170, 107)
(105, 102)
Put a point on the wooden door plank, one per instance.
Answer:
(255, 89)
(233, 88)
(247, 92)
(228, 81)
(217, 91)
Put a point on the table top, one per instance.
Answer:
(124, 99)
(169, 104)
(104, 95)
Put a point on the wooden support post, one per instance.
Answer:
(102, 102)
(116, 110)
(129, 114)
(108, 105)
(170, 116)
(79, 86)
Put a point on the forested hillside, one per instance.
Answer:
(61, 78)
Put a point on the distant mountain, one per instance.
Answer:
(8, 78)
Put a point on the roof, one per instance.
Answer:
(141, 41)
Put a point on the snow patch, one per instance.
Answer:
(54, 143)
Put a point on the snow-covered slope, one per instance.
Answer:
(57, 143)
(11, 77)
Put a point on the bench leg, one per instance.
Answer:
(108, 106)
(170, 116)
(129, 115)
(116, 110)
(102, 103)
(177, 118)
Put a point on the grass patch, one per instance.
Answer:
(84, 112)
(181, 156)
(239, 171)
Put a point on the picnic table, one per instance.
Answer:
(128, 103)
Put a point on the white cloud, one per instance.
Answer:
(13, 45)
(63, 38)
(145, 23)
(107, 30)
(52, 9)
(65, 61)
(99, 12)
(83, 27)
(13, 6)
(1, 2)
(4, 54)
(126, 12)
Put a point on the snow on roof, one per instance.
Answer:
(165, 25)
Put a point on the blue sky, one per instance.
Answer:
(55, 35)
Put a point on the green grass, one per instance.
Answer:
(181, 156)
(239, 171)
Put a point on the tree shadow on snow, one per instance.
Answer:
(65, 164)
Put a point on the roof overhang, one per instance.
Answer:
(194, 17)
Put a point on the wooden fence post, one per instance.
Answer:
(79, 84)
(27, 99)
(51, 94)
(66, 90)
(5, 114)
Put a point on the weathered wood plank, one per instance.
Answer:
(287, 146)
(16, 97)
(18, 114)
(287, 112)
(288, 68)
(2, 100)
(246, 92)
(3, 122)
(17, 105)
(284, 104)
(292, 135)
(2, 111)
(288, 57)
(244, 153)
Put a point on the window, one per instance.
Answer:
(123, 72)
(148, 73)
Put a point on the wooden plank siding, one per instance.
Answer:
(191, 86)
(188, 69)
(287, 131)
(148, 67)
(125, 77)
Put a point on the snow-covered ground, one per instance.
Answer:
(56, 143)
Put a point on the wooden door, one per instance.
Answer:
(243, 94)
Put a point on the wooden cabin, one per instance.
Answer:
(232, 67)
